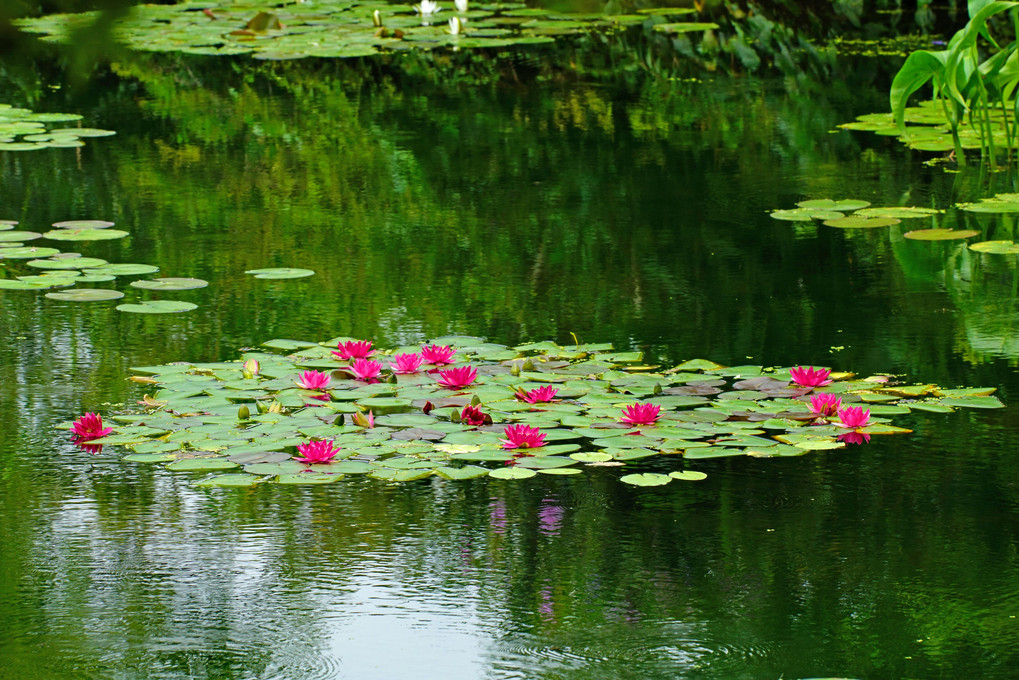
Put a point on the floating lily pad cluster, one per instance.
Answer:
(339, 28)
(856, 214)
(23, 130)
(49, 268)
(927, 128)
(243, 422)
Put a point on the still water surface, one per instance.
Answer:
(632, 215)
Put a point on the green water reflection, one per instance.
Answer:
(635, 215)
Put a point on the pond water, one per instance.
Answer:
(517, 210)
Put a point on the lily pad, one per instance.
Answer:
(512, 473)
(940, 234)
(280, 273)
(10, 236)
(646, 479)
(688, 475)
(124, 269)
(26, 252)
(170, 283)
(995, 247)
(85, 234)
(157, 307)
(857, 221)
(67, 263)
(83, 224)
(235, 479)
(85, 295)
(899, 213)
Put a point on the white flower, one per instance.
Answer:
(427, 7)
(455, 26)
(461, 6)
(377, 18)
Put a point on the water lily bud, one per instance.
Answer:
(340, 421)
(658, 388)
(454, 416)
(262, 407)
(275, 407)
(250, 368)
(426, 409)
(476, 400)
(377, 18)
(528, 365)
(243, 413)
(461, 6)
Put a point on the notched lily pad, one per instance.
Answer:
(170, 283)
(157, 307)
(85, 295)
(280, 273)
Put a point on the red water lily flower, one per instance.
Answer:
(641, 414)
(313, 380)
(317, 452)
(366, 369)
(854, 416)
(539, 395)
(522, 437)
(472, 415)
(406, 363)
(809, 377)
(457, 378)
(437, 354)
(825, 404)
(90, 426)
(354, 349)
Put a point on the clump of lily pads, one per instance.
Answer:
(339, 28)
(460, 408)
(24, 130)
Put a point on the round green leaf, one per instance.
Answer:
(170, 283)
(67, 263)
(8, 236)
(856, 221)
(646, 479)
(940, 234)
(157, 307)
(280, 273)
(235, 479)
(201, 464)
(83, 224)
(899, 213)
(688, 475)
(122, 269)
(84, 234)
(994, 247)
(512, 473)
(85, 295)
(309, 478)
(26, 252)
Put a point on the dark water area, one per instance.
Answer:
(518, 211)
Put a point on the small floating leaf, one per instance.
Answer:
(201, 464)
(512, 473)
(940, 234)
(235, 479)
(85, 295)
(67, 263)
(994, 247)
(899, 213)
(688, 475)
(157, 307)
(170, 283)
(83, 224)
(85, 234)
(858, 222)
(123, 269)
(646, 479)
(26, 252)
(10, 236)
(280, 273)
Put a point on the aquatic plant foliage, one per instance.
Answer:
(23, 130)
(856, 214)
(336, 28)
(253, 417)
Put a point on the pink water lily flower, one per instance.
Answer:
(522, 437)
(854, 438)
(90, 426)
(366, 420)
(250, 368)
(457, 378)
(809, 377)
(825, 404)
(539, 395)
(354, 349)
(437, 354)
(854, 416)
(317, 452)
(472, 415)
(366, 369)
(641, 414)
(406, 363)
(313, 380)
